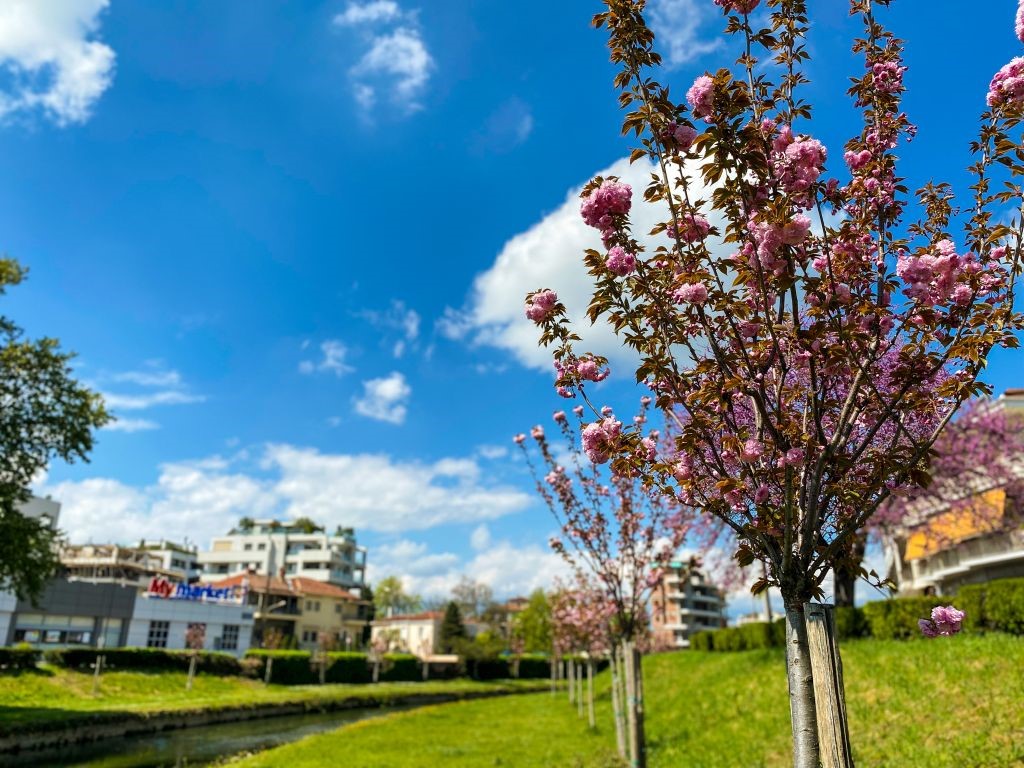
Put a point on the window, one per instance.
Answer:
(261, 546)
(337, 608)
(247, 547)
(157, 637)
(229, 637)
(309, 635)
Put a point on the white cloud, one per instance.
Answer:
(395, 61)
(50, 62)
(131, 425)
(481, 537)
(150, 378)
(149, 399)
(550, 255)
(398, 62)
(397, 318)
(507, 127)
(384, 399)
(493, 451)
(204, 498)
(379, 493)
(676, 25)
(333, 354)
(368, 13)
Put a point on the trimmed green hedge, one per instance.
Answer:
(702, 641)
(850, 622)
(897, 619)
(995, 606)
(534, 667)
(400, 668)
(289, 667)
(211, 663)
(19, 658)
(347, 667)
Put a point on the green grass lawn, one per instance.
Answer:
(54, 696)
(949, 703)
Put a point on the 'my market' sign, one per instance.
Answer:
(162, 588)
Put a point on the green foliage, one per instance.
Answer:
(702, 641)
(289, 667)
(307, 525)
(211, 663)
(533, 624)
(850, 623)
(534, 667)
(757, 634)
(994, 606)
(453, 631)
(347, 667)
(489, 669)
(19, 658)
(46, 415)
(730, 639)
(896, 619)
(400, 667)
(390, 598)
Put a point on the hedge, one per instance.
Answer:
(897, 619)
(289, 667)
(850, 623)
(488, 669)
(995, 606)
(211, 663)
(347, 667)
(534, 667)
(19, 658)
(400, 668)
(702, 641)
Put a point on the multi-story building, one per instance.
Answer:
(684, 603)
(418, 633)
(974, 534)
(268, 546)
(300, 612)
(128, 566)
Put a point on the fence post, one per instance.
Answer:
(829, 694)
(268, 670)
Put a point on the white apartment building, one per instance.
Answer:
(685, 603)
(270, 546)
(418, 633)
(129, 566)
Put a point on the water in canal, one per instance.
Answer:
(190, 747)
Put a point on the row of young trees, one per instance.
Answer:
(807, 354)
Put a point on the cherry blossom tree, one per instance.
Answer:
(810, 349)
(618, 532)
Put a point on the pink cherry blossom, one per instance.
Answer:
(701, 96)
(620, 261)
(691, 293)
(541, 305)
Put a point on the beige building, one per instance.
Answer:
(684, 603)
(418, 633)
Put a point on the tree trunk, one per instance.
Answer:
(620, 730)
(426, 670)
(268, 670)
(191, 672)
(634, 706)
(846, 575)
(801, 689)
(376, 671)
(579, 690)
(571, 668)
(96, 675)
(553, 663)
(590, 694)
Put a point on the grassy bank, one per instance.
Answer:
(59, 697)
(949, 703)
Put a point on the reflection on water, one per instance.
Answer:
(190, 746)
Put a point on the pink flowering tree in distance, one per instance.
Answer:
(618, 531)
(809, 349)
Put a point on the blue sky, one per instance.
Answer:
(290, 242)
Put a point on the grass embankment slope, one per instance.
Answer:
(53, 697)
(948, 703)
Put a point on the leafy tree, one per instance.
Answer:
(453, 631)
(472, 596)
(390, 598)
(533, 624)
(306, 525)
(45, 414)
(246, 524)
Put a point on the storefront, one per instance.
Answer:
(72, 613)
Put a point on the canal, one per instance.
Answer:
(191, 747)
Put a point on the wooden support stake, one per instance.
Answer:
(590, 693)
(829, 694)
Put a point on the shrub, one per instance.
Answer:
(702, 641)
(534, 667)
(488, 669)
(19, 658)
(400, 668)
(757, 634)
(779, 631)
(850, 622)
(971, 600)
(896, 619)
(289, 667)
(729, 639)
(346, 667)
(145, 659)
(1003, 606)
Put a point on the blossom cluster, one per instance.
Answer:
(541, 305)
(738, 6)
(945, 620)
(604, 204)
(1007, 86)
(600, 439)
